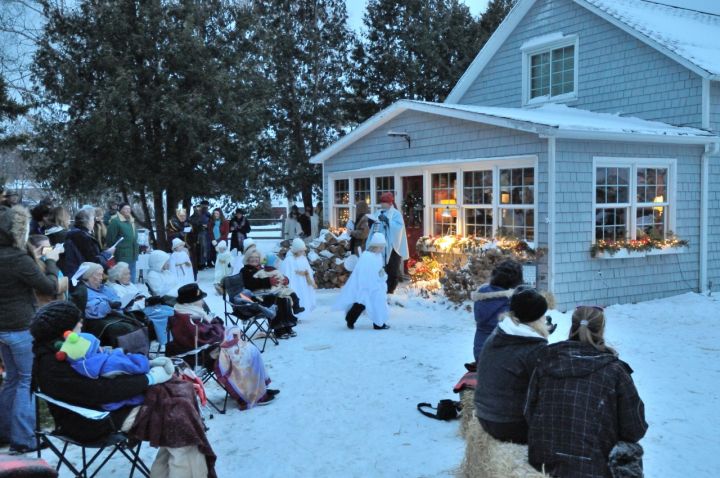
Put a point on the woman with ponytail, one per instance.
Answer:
(582, 402)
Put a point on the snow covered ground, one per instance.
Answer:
(348, 397)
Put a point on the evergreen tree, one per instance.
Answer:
(495, 13)
(9, 111)
(146, 96)
(307, 45)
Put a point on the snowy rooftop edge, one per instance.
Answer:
(565, 118)
(690, 34)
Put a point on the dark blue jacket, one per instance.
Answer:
(490, 303)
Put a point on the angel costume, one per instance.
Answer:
(389, 222)
(240, 368)
(367, 288)
(294, 268)
(223, 264)
(181, 266)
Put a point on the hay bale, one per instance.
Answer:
(468, 406)
(486, 457)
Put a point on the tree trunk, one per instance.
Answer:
(187, 205)
(173, 199)
(307, 198)
(160, 219)
(148, 220)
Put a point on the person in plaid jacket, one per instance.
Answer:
(581, 402)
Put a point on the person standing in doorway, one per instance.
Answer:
(390, 223)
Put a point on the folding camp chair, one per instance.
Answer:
(117, 441)
(197, 357)
(253, 325)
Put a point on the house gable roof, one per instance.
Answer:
(687, 36)
(548, 120)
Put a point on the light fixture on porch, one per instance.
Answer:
(400, 134)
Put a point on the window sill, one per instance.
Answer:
(544, 100)
(625, 254)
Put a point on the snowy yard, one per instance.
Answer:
(347, 402)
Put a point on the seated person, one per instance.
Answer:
(284, 320)
(582, 402)
(132, 295)
(101, 300)
(182, 441)
(160, 280)
(202, 329)
(280, 283)
(506, 364)
(251, 304)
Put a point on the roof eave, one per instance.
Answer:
(634, 137)
(647, 40)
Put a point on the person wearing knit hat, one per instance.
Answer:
(300, 275)
(180, 263)
(507, 362)
(98, 387)
(20, 278)
(390, 223)
(366, 289)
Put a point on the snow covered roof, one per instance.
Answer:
(554, 120)
(689, 34)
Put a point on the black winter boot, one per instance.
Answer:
(296, 304)
(353, 314)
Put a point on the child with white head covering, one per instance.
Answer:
(298, 271)
(180, 264)
(222, 264)
(367, 288)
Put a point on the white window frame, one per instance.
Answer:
(491, 207)
(511, 207)
(632, 205)
(547, 47)
(442, 166)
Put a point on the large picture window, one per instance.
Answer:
(517, 203)
(478, 203)
(632, 199)
(362, 190)
(443, 190)
(342, 201)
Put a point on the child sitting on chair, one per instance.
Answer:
(85, 355)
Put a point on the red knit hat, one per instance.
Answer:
(387, 198)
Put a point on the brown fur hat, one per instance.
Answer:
(14, 226)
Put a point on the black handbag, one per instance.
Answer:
(446, 410)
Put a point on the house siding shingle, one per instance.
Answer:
(617, 72)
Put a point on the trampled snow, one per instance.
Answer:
(348, 397)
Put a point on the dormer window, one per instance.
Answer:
(550, 69)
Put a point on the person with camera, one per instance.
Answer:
(20, 279)
(506, 364)
(582, 405)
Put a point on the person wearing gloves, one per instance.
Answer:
(184, 449)
(180, 263)
(20, 279)
(160, 280)
(389, 222)
(507, 362)
(131, 294)
(223, 257)
(300, 276)
(366, 288)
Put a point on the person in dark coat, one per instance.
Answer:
(506, 363)
(179, 227)
(40, 219)
(493, 300)
(581, 402)
(20, 279)
(239, 230)
(304, 220)
(284, 320)
(81, 246)
(59, 380)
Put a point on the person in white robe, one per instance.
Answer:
(365, 290)
(301, 276)
(160, 280)
(389, 222)
(180, 263)
(223, 265)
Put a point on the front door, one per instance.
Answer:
(413, 210)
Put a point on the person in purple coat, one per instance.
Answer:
(493, 299)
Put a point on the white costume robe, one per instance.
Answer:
(223, 266)
(394, 232)
(367, 286)
(290, 268)
(182, 267)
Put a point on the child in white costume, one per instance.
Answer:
(222, 264)
(366, 290)
(180, 264)
(298, 271)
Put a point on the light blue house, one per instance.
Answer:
(580, 121)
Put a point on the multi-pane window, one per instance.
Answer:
(384, 184)
(443, 190)
(631, 201)
(552, 73)
(478, 202)
(342, 201)
(362, 190)
(517, 203)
